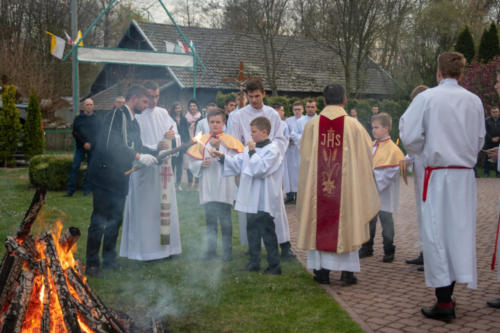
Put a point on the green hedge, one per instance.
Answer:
(53, 171)
(395, 108)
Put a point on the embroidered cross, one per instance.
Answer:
(166, 173)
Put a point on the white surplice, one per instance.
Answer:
(293, 155)
(335, 262)
(239, 127)
(261, 177)
(202, 126)
(445, 126)
(213, 187)
(141, 224)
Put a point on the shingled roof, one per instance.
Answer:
(305, 66)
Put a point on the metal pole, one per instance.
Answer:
(74, 33)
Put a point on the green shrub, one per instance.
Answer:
(33, 139)
(53, 171)
(10, 125)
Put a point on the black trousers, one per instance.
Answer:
(387, 223)
(444, 294)
(261, 226)
(177, 167)
(218, 211)
(105, 224)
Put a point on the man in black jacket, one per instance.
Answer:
(492, 139)
(119, 149)
(85, 128)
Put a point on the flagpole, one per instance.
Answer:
(74, 76)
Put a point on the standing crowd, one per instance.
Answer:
(343, 178)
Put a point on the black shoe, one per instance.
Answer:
(388, 257)
(209, 256)
(227, 257)
(93, 271)
(446, 315)
(251, 268)
(68, 194)
(112, 265)
(416, 261)
(420, 269)
(322, 276)
(287, 254)
(348, 278)
(494, 304)
(273, 271)
(365, 252)
(289, 198)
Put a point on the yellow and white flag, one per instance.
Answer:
(57, 45)
(79, 39)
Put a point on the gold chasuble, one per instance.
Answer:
(197, 151)
(337, 194)
(387, 154)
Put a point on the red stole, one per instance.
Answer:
(329, 180)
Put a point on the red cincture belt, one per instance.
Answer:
(427, 176)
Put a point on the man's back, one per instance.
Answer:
(444, 125)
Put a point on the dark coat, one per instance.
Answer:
(492, 130)
(113, 156)
(85, 129)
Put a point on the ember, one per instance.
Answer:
(42, 288)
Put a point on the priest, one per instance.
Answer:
(151, 222)
(337, 196)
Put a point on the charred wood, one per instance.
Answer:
(95, 324)
(17, 309)
(69, 238)
(10, 271)
(32, 213)
(14, 247)
(29, 245)
(45, 324)
(57, 273)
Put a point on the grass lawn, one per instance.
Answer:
(192, 295)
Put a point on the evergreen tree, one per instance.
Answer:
(489, 47)
(10, 125)
(33, 134)
(465, 44)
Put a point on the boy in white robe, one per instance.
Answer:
(259, 196)
(386, 157)
(216, 192)
(449, 201)
(293, 153)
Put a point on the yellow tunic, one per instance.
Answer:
(196, 151)
(359, 201)
(387, 154)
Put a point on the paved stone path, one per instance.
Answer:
(388, 296)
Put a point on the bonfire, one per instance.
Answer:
(43, 289)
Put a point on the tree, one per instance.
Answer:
(33, 139)
(489, 47)
(465, 44)
(480, 79)
(349, 28)
(264, 21)
(10, 125)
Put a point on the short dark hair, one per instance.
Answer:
(297, 103)
(262, 123)
(253, 85)
(383, 118)
(334, 94)
(217, 112)
(229, 100)
(151, 85)
(277, 105)
(211, 105)
(310, 100)
(451, 64)
(136, 90)
(193, 100)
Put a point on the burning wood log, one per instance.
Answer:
(45, 325)
(10, 271)
(86, 315)
(69, 238)
(32, 213)
(17, 309)
(14, 247)
(56, 272)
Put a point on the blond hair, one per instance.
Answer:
(383, 118)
